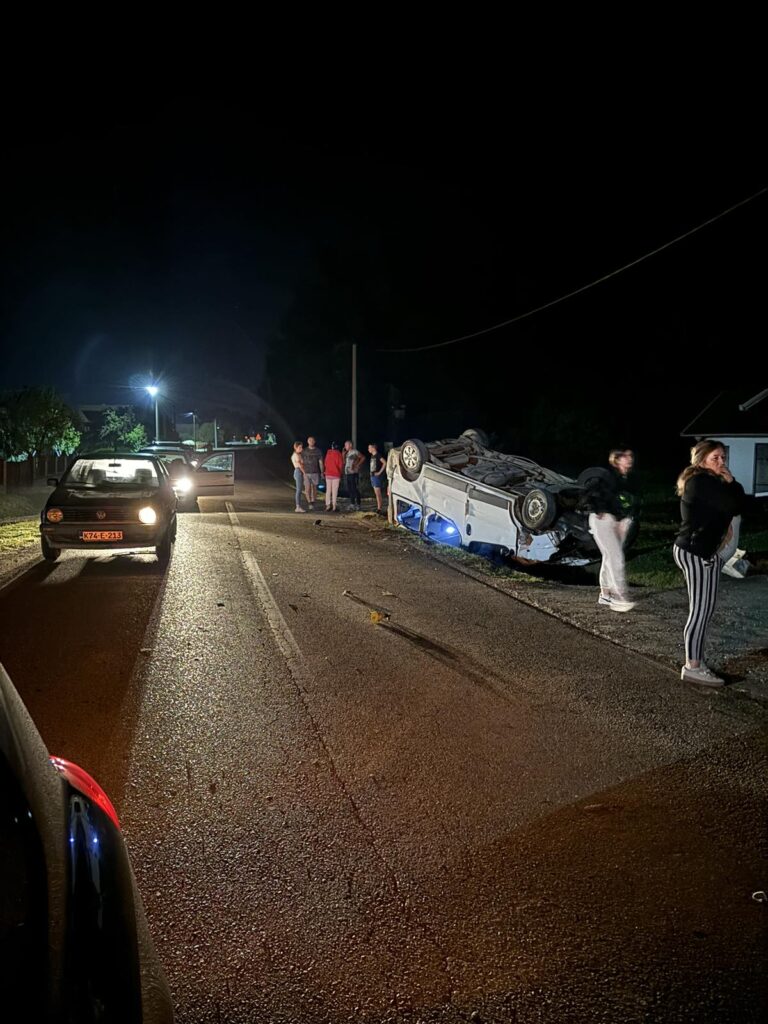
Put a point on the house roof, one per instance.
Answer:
(742, 413)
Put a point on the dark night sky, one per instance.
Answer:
(237, 254)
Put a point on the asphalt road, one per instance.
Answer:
(359, 786)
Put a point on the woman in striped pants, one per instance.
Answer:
(709, 499)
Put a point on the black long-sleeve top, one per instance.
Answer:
(607, 490)
(707, 507)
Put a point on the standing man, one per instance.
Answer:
(353, 460)
(378, 469)
(313, 470)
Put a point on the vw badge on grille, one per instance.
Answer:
(101, 515)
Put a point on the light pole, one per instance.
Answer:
(153, 392)
(194, 428)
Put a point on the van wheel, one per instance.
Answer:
(478, 436)
(413, 455)
(538, 510)
(50, 553)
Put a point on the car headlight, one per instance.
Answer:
(148, 515)
(183, 485)
(54, 515)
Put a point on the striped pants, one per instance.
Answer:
(702, 577)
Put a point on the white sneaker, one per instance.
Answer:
(604, 599)
(701, 675)
(299, 509)
(620, 606)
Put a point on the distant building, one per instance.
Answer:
(91, 417)
(739, 420)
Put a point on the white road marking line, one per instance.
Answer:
(301, 675)
(281, 631)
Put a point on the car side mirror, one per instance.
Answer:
(52, 481)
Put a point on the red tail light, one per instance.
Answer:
(80, 780)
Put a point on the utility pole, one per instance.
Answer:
(354, 395)
(215, 432)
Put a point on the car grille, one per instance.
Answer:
(109, 515)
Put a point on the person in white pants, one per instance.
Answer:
(610, 502)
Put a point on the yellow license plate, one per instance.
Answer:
(102, 535)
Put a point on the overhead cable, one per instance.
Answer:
(583, 288)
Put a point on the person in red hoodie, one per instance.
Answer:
(334, 467)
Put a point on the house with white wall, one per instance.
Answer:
(739, 420)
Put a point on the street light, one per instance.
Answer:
(154, 392)
(194, 427)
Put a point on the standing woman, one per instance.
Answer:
(709, 499)
(610, 498)
(298, 472)
(334, 467)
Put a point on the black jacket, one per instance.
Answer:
(707, 507)
(606, 490)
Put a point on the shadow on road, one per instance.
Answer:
(71, 639)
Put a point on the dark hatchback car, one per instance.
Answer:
(108, 500)
(74, 941)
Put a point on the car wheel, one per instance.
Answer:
(413, 455)
(50, 553)
(538, 510)
(163, 549)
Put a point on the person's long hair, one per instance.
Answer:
(699, 452)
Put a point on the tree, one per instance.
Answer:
(122, 431)
(35, 421)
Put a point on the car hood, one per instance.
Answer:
(102, 496)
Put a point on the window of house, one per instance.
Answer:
(761, 468)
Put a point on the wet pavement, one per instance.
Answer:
(358, 785)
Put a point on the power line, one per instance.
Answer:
(583, 288)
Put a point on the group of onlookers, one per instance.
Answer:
(310, 466)
(710, 501)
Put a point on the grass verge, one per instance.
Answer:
(23, 503)
(15, 536)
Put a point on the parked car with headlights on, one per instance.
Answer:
(74, 940)
(107, 500)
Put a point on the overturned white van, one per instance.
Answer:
(460, 492)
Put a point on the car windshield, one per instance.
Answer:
(112, 472)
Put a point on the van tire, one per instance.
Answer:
(478, 436)
(413, 454)
(538, 510)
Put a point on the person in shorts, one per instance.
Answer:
(378, 471)
(313, 470)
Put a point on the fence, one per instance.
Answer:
(17, 475)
